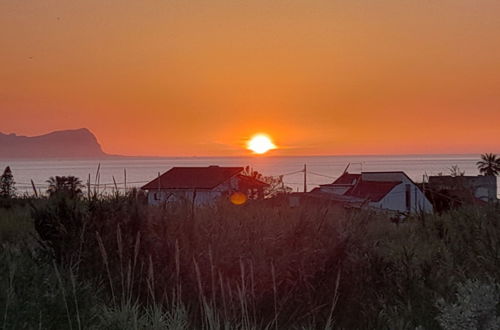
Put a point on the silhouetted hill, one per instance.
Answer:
(78, 143)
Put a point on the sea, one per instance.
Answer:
(131, 172)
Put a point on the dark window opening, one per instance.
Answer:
(408, 197)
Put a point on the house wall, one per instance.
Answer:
(396, 200)
(227, 186)
(156, 197)
(201, 197)
(484, 187)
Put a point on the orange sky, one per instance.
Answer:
(171, 77)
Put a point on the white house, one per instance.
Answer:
(202, 185)
(380, 190)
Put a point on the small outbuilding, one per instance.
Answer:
(203, 186)
(466, 188)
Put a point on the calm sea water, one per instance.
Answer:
(321, 169)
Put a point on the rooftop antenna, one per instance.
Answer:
(305, 178)
(346, 168)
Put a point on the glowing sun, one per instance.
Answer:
(260, 144)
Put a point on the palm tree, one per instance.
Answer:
(69, 185)
(489, 165)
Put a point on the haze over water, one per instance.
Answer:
(322, 169)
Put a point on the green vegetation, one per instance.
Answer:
(69, 262)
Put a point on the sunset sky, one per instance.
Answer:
(199, 77)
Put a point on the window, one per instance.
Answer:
(408, 197)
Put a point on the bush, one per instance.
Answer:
(475, 307)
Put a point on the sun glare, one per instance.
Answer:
(260, 144)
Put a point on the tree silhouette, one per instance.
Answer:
(456, 171)
(275, 186)
(489, 165)
(7, 189)
(67, 185)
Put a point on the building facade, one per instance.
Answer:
(202, 186)
(393, 191)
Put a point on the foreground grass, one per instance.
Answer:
(114, 263)
(15, 223)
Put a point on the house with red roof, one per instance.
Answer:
(393, 191)
(202, 185)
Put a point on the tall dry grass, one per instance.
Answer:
(254, 266)
(251, 266)
(259, 266)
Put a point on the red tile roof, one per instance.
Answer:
(347, 179)
(372, 190)
(193, 177)
(316, 192)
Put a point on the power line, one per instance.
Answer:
(294, 172)
(323, 175)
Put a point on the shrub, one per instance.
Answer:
(474, 307)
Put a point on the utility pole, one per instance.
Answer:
(305, 178)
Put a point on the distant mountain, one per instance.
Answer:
(78, 143)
